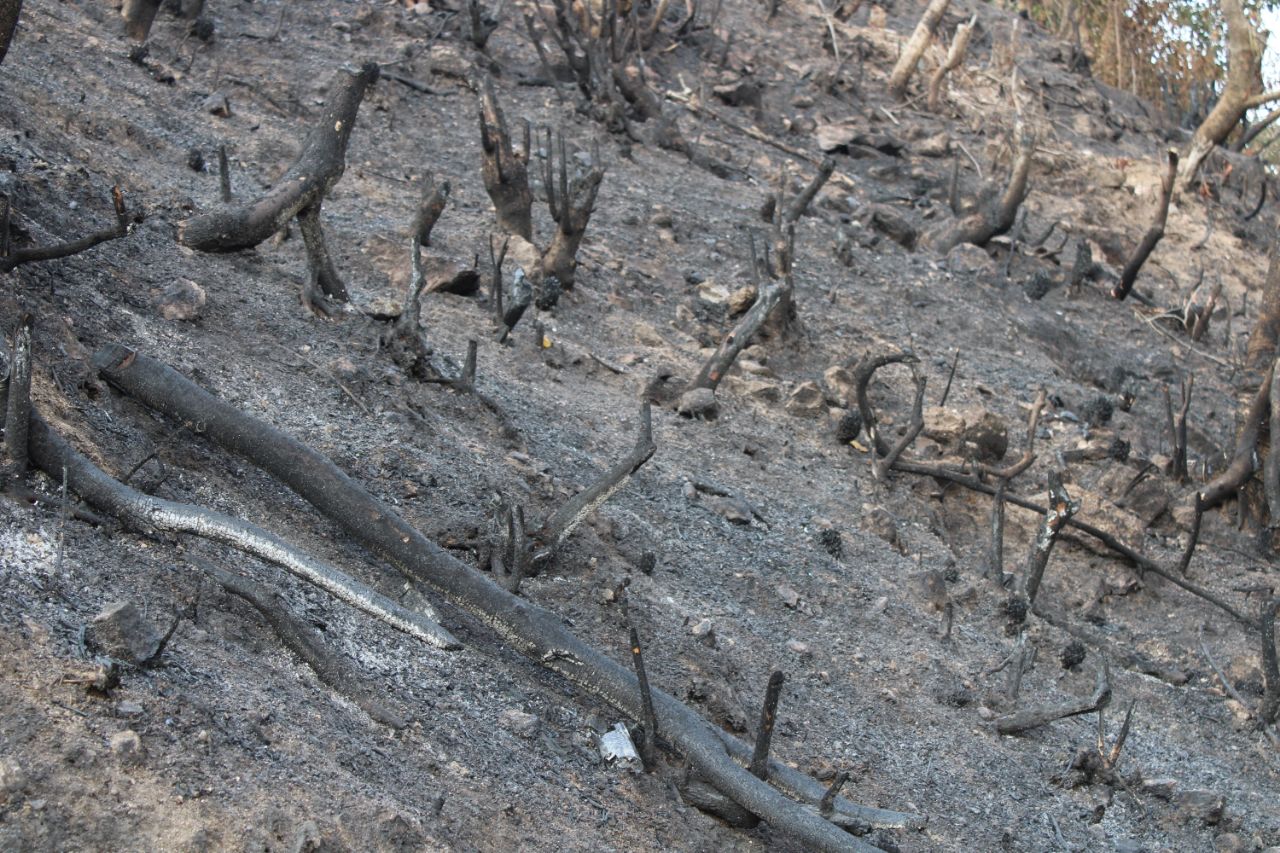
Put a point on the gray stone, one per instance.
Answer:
(806, 401)
(183, 300)
(699, 403)
(127, 746)
(967, 259)
(121, 632)
(1207, 807)
(519, 722)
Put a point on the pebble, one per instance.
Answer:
(519, 722)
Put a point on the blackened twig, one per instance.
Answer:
(646, 703)
(826, 806)
(764, 734)
(224, 174)
(951, 375)
(63, 250)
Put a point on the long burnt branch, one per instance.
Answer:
(535, 632)
(33, 254)
(1149, 240)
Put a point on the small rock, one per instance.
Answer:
(121, 632)
(647, 335)
(129, 708)
(183, 300)
(1198, 804)
(447, 276)
(806, 401)
(519, 722)
(702, 628)
(742, 299)
(985, 713)
(195, 160)
(839, 385)
(937, 145)
(943, 425)
(759, 389)
(713, 296)
(699, 403)
(797, 646)
(969, 260)
(126, 746)
(878, 522)
(217, 104)
(1161, 788)
(789, 596)
(878, 606)
(734, 510)
(661, 217)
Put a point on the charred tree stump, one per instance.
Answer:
(300, 193)
(1270, 667)
(915, 47)
(17, 417)
(862, 373)
(1244, 459)
(571, 207)
(994, 218)
(9, 12)
(1149, 240)
(138, 16)
(505, 171)
(434, 199)
(955, 56)
(535, 632)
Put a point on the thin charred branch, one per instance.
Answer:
(232, 227)
(535, 632)
(951, 375)
(880, 467)
(505, 170)
(434, 199)
(955, 56)
(915, 47)
(1177, 467)
(138, 16)
(764, 732)
(862, 373)
(496, 257)
(304, 641)
(1143, 562)
(1149, 240)
(1193, 538)
(1061, 508)
(1270, 666)
(995, 556)
(649, 719)
(33, 254)
(801, 202)
(557, 528)
(1031, 718)
(996, 217)
(1028, 455)
(571, 207)
(768, 296)
(1244, 460)
(147, 514)
(825, 806)
(224, 175)
(17, 417)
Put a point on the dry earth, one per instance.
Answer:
(239, 747)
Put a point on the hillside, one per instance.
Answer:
(752, 541)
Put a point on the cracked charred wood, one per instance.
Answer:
(880, 467)
(1244, 459)
(767, 298)
(1270, 667)
(32, 254)
(764, 732)
(144, 513)
(556, 529)
(1149, 240)
(300, 193)
(995, 217)
(1061, 508)
(862, 373)
(304, 641)
(138, 16)
(1031, 718)
(17, 418)
(535, 632)
(955, 56)
(1143, 562)
(571, 206)
(434, 199)
(9, 12)
(915, 47)
(505, 171)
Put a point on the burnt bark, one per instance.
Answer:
(9, 12)
(994, 218)
(505, 171)
(1149, 240)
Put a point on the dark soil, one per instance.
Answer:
(809, 566)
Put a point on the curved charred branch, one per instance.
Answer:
(801, 202)
(1030, 718)
(505, 171)
(1143, 562)
(880, 467)
(138, 16)
(63, 250)
(17, 416)
(955, 56)
(862, 373)
(996, 217)
(715, 368)
(535, 632)
(9, 12)
(304, 641)
(1270, 667)
(571, 207)
(1061, 508)
(557, 528)
(232, 227)
(1028, 455)
(915, 47)
(1149, 240)
(146, 514)
(432, 205)
(1244, 460)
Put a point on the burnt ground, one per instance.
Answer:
(239, 746)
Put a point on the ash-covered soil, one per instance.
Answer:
(871, 596)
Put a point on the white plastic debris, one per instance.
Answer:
(616, 745)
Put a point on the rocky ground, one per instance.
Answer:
(775, 547)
